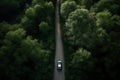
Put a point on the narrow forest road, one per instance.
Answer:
(58, 75)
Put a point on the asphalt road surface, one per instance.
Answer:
(58, 75)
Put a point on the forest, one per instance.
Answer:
(27, 42)
(90, 34)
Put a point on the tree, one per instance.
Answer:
(5, 28)
(22, 57)
(35, 15)
(80, 31)
(43, 26)
(26, 47)
(93, 37)
(67, 7)
(110, 24)
(81, 65)
(111, 5)
(77, 25)
(87, 3)
(103, 19)
(107, 21)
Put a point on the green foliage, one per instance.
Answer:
(80, 31)
(103, 19)
(38, 2)
(67, 7)
(107, 21)
(95, 32)
(88, 3)
(30, 13)
(92, 42)
(111, 5)
(77, 25)
(80, 56)
(81, 64)
(13, 37)
(78, 18)
(4, 28)
(44, 27)
(77, 1)
(35, 15)
(49, 8)
(22, 57)
(26, 47)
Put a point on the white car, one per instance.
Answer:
(59, 65)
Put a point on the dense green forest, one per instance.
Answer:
(91, 35)
(27, 39)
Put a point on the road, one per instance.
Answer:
(58, 75)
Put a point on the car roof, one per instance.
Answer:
(59, 65)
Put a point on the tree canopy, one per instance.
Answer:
(91, 38)
(26, 39)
